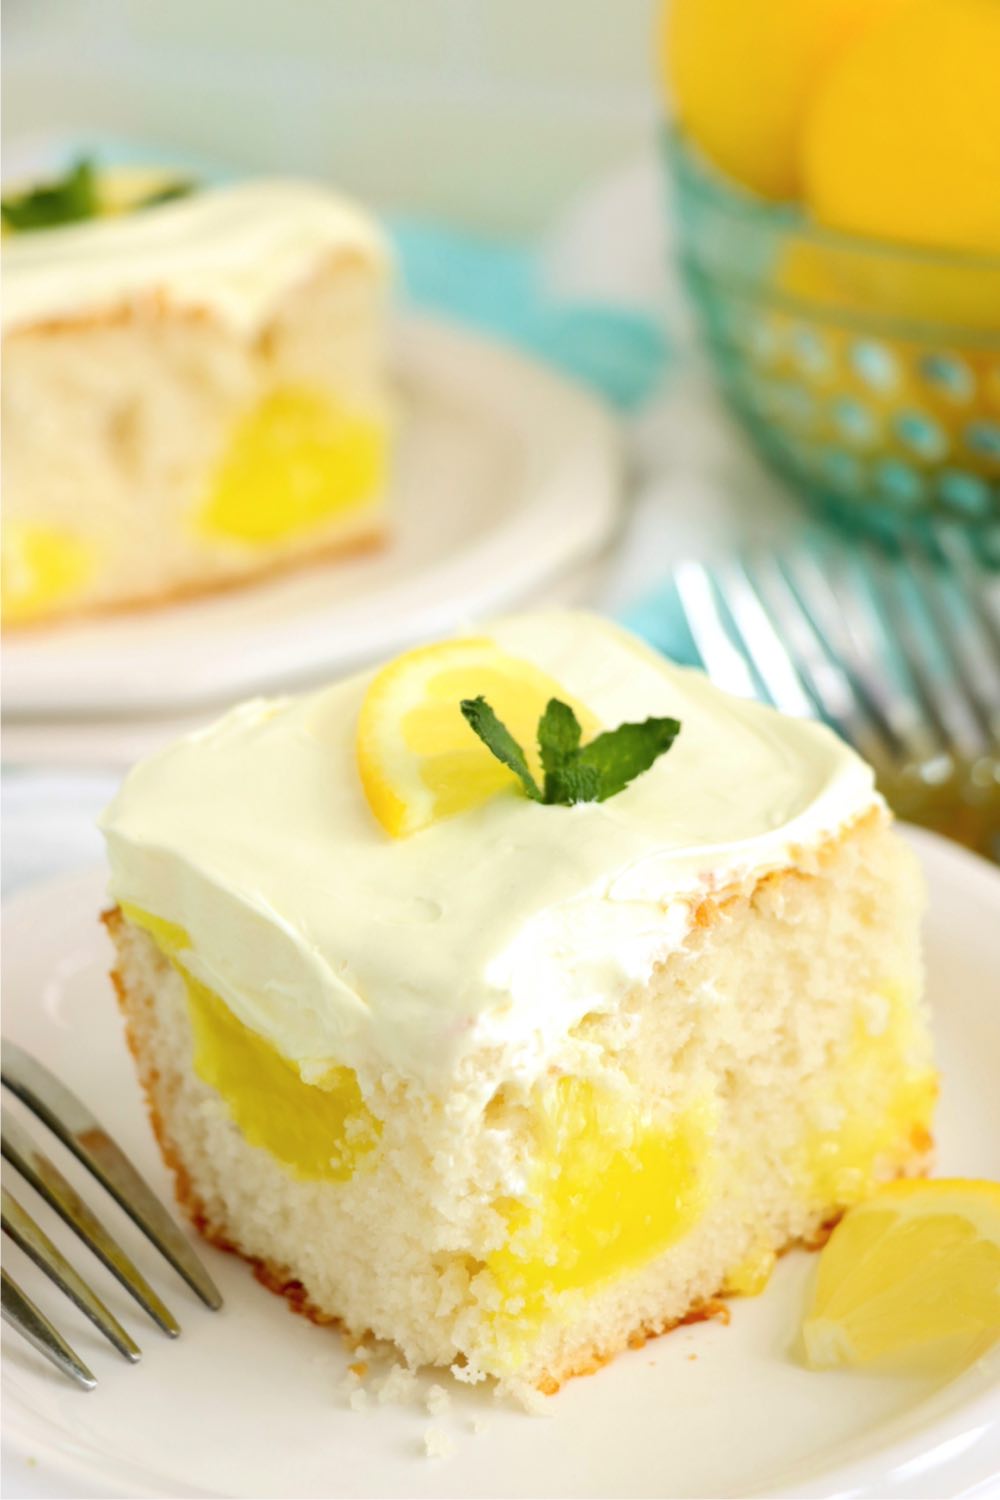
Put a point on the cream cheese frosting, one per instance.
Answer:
(489, 934)
(233, 251)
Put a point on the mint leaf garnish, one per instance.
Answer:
(181, 187)
(574, 772)
(622, 754)
(576, 783)
(558, 741)
(66, 201)
(76, 197)
(498, 739)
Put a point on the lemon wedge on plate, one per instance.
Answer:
(418, 759)
(911, 1278)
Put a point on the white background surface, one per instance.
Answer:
(490, 113)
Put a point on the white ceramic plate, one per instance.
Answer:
(507, 477)
(247, 1402)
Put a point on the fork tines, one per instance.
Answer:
(897, 648)
(69, 1119)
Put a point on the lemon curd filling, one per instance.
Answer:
(317, 1130)
(606, 1194)
(607, 1191)
(874, 1100)
(42, 566)
(296, 460)
(875, 1103)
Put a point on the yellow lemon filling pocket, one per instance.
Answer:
(295, 461)
(316, 1130)
(874, 1101)
(43, 566)
(606, 1195)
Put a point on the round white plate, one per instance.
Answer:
(506, 478)
(249, 1402)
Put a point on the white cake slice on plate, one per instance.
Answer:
(194, 394)
(511, 1084)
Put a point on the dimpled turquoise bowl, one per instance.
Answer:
(867, 373)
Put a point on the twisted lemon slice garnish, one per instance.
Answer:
(418, 758)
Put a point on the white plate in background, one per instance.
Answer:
(248, 1401)
(507, 479)
(76, 742)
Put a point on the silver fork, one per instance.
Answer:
(899, 651)
(72, 1122)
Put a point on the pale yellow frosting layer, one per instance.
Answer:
(496, 929)
(231, 251)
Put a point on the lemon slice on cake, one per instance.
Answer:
(418, 758)
(911, 1277)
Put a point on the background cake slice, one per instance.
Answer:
(536, 1081)
(194, 394)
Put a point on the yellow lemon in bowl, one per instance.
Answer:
(741, 73)
(901, 137)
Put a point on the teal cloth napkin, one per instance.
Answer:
(659, 619)
(497, 286)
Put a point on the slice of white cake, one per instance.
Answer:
(194, 395)
(534, 1081)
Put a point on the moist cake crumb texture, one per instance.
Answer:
(539, 1082)
(437, 1444)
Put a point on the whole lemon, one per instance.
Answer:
(902, 138)
(740, 74)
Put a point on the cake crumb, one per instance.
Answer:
(528, 1397)
(437, 1401)
(358, 1400)
(399, 1385)
(480, 1425)
(467, 1374)
(359, 1368)
(437, 1444)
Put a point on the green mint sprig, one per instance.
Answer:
(574, 772)
(73, 198)
(179, 187)
(66, 201)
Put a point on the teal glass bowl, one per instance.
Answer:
(867, 373)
